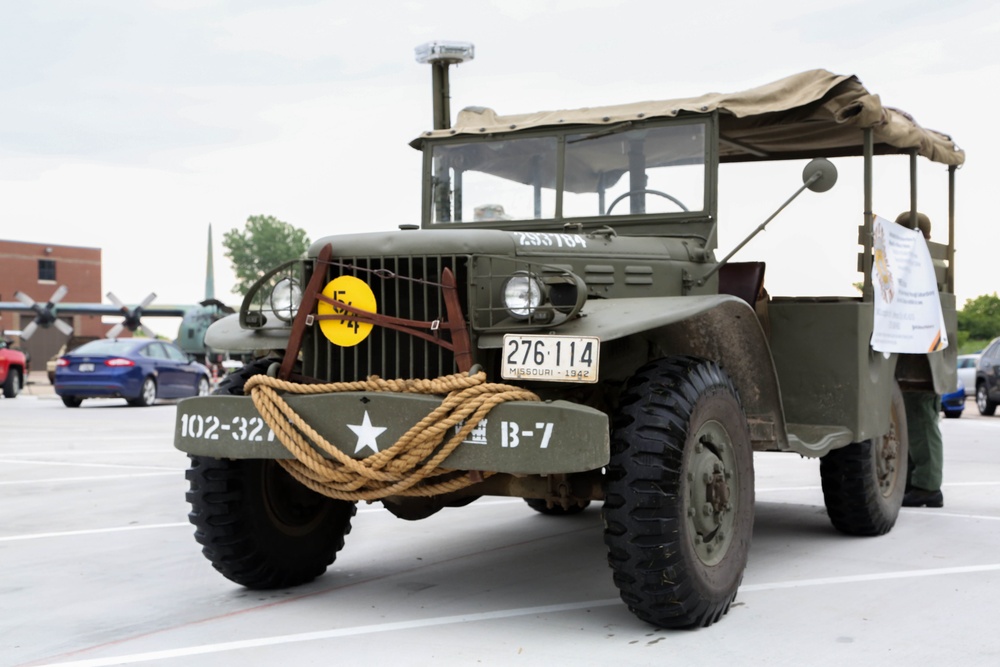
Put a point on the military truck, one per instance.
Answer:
(559, 328)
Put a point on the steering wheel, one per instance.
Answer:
(646, 190)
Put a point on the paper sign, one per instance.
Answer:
(908, 315)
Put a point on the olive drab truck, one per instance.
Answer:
(560, 328)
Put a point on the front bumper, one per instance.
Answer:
(954, 402)
(518, 437)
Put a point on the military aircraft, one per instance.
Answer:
(195, 318)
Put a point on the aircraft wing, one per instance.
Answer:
(47, 314)
(97, 309)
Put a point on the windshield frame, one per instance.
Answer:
(672, 223)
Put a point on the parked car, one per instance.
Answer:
(967, 372)
(988, 379)
(138, 370)
(952, 404)
(13, 369)
(71, 344)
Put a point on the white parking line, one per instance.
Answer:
(99, 478)
(817, 487)
(89, 452)
(94, 531)
(81, 465)
(935, 512)
(83, 437)
(859, 578)
(98, 531)
(223, 647)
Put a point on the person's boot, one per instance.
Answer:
(917, 497)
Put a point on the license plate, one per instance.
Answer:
(550, 358)
(86, 368)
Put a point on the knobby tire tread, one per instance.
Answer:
(851, 492)
(643, 508)
(240, 536)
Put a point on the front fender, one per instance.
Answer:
(226, 335)
(719, 327)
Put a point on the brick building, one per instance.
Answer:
(38, 269)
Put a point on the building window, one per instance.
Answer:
(46, 270)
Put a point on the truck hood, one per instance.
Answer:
(504, 243)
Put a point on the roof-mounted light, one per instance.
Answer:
(446, 52)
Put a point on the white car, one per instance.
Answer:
(967, 372)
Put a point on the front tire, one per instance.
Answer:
(986, 407)
(13, 384)
(864, 482)
(261, 528)
(679, 496)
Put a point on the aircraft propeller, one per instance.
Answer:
(45, 315)
(132, 316)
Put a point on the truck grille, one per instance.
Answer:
(404, 287)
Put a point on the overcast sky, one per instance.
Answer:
(132, 125)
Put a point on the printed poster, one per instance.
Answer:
(908, 315)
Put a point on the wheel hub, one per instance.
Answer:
(885, 460)
(292, 506)
(711, 512)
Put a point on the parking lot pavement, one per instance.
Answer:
(100, 567)
(37, 384)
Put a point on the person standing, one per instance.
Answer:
(925, 469)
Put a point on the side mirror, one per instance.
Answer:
(819, 175)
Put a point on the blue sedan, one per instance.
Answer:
(952, 404)
(137, 369)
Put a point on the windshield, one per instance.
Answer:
(609, 172)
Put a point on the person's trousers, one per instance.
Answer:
(923, 411)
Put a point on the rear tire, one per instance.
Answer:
(678, 509)
(864, 482)
(147, 395)
(13, 384)
(72, 401)
(261, 528)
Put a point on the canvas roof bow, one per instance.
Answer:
(810, 114)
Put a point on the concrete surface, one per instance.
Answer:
(100, 567)
(37, 384)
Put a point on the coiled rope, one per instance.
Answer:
(410, 467)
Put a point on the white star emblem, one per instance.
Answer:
(366, 434)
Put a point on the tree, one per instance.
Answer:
(265, 243)
(979, 319)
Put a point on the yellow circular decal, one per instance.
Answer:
(355, 293)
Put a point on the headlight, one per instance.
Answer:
(522, 295)
(285, 299)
